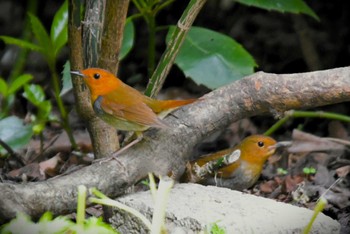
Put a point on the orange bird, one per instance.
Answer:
(124, 107)
(236, 168)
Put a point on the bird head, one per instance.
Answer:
(257, 148)
(99, 81)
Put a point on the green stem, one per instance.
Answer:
(41, 135)
(61, 107)
(162, 195)
(151, 22)
(104, 200)
(178, 37)
(81, 205)
(306, 114)
(277, 125)
(321, 204)
(320, 114)
(32, 7)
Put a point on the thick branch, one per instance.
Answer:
(112, 38)
(96, 126)
(167, 150)
(103, 52)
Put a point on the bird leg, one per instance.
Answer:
(139, 137)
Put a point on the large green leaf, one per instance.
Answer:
(291, 6)
(19, 82)
(128, 38)
(21, 43)
(59, 28)
(41, 36)
(66, 79)
(213, 59)
(14, 132)
(34, 94)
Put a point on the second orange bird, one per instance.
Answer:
(245, 164)
(122, 106)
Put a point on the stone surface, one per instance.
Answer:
(192, 208)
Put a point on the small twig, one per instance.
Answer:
(11, 152)
(44, 148)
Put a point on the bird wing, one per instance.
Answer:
(127, 104)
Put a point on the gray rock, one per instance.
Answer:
(193, 208)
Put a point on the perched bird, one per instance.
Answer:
(124, 107)
(236, 168)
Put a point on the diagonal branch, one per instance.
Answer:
(167, 150)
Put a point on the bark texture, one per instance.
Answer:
(166, 150)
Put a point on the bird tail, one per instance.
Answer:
(169, 105)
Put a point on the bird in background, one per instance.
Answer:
(123, 107)
(237, 168)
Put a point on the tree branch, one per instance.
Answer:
(167, 150)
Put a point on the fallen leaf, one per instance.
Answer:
(30, 172)
(268, 186)
(305, 142)
(343, 171)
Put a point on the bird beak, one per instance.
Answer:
(283, 144)
(78, 73)
(272, 148)
(280, 144)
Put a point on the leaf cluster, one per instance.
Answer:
(49, 45)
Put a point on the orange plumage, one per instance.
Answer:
(122, 106)
(240, 174)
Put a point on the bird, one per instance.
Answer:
(124, 107)
(236, 168)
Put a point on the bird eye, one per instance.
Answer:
(260, 144)
(97, 76)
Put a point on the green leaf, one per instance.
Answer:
(213, 59)
(312, 170)
(47, 216)
(216, 229)
(14, 132)
(23, 224)
(19, 82)
(45, 108)
(59, 225)
(41, 36)
(96, 225)
(3, 87)
(291, 6)
(38, 128)
(59, 28)
(34, 94)
(16, 225)
(306, 170)
(66, 79)
(128, 38)
(21, 43)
